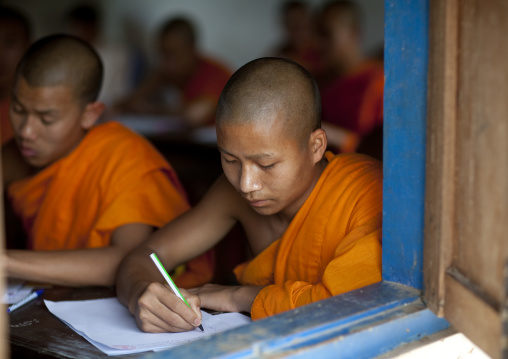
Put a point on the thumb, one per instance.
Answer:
(194, 302)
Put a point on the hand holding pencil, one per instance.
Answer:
(158, 309)
(170, 282)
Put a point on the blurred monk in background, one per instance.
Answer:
(185, 84)
(313, 220)
(87, 195)
(353, 98)
(85, 22)
(300, 44)
(14, 40)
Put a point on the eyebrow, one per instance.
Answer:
(47, 112)
(258, 156)
(43, 112)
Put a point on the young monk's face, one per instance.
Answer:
(271, 170)
(177, 58)
(338, 37)
(46, 122)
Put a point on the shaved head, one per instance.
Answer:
(8, 14)
(272, 86)
(346, 12)
(63, 60)
(180, 27)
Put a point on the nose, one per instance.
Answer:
(28, 129)
(249, 181)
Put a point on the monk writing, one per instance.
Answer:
(353, 99)
(185, 84)
(86, 195)
(313, 220)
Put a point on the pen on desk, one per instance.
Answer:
(27, 299)
(170, 281)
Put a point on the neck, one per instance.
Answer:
(193, 64)
(349, 63)
(80, 137)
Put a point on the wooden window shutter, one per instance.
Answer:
(4, 349)
(466, 213)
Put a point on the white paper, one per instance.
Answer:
(15, 291)
(109, 326)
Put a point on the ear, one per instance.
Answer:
(91, 114)
(318, 143)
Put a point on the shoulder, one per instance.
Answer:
(353, 170)
(351, 188)
(113, 143)
(352, 163)
(223, 198)
(115, 135)
(225, 194)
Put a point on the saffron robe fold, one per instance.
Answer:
(112, 178)
(332, 245)
(355, 101)
(6, 132)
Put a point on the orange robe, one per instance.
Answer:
(112, 178)
(6, 132)
(332, 246)
(355, 101)
(206, 82)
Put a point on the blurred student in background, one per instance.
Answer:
(84, 21)
(14, 40)
(300, 43)
(353, 97)
(184, 84)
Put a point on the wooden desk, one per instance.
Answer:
(36, 333)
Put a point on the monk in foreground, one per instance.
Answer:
(313, 220)
(86, 195)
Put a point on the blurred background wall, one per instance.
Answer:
(234, 31)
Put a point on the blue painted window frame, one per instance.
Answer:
(375, 319)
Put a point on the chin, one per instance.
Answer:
(37, 162)
(265, 211)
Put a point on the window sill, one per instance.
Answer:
(360, 324)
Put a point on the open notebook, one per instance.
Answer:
(110, 327)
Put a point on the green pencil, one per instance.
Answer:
(170, 281)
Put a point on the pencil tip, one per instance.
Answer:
(201, 327)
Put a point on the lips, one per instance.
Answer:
(27, 151)
(258, 203)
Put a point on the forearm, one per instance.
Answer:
(81, 267)
(134, 274)
(244, 296)
(227, 298)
